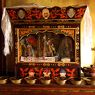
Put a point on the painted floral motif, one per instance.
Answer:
(23, 72)
(28, 15)
(33, 14)
(47, 72)
(79, 13)
(62, 72)
(31, 72)
(63, 14)
(54, 13)
(70, 72)
(12, 14)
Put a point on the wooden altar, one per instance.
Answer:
(54, 36)
(45, 43)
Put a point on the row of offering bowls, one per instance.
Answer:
(47, 80)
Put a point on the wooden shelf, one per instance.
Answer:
(51, 62)
(26, 89)
(55, 64)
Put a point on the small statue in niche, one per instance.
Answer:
(49, 49)
(31, 46)
(23, 46)
(65, 49)
(30, 51)
(28, 46)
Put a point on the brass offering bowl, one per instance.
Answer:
(90, 81)
(3, 80)
(45, 80)
(86, 71)
(77, 81)
(60, 80)
(15, 80)
(30, 80)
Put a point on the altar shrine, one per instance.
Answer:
(42, 42)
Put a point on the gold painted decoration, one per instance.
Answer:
(71, 12)
(45, 13)
(21, 14)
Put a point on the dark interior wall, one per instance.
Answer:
(6, 62)
(2, 57)
(0, 37)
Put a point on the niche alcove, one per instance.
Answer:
(44, 40)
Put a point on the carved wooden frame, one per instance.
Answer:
(65, 31)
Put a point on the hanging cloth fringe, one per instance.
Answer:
(7, 31)
(86, 40)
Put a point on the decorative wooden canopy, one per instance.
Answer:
(41, 13)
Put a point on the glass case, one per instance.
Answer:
(46, 45)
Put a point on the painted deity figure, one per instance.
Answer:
(49, 49)
(28, 46)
